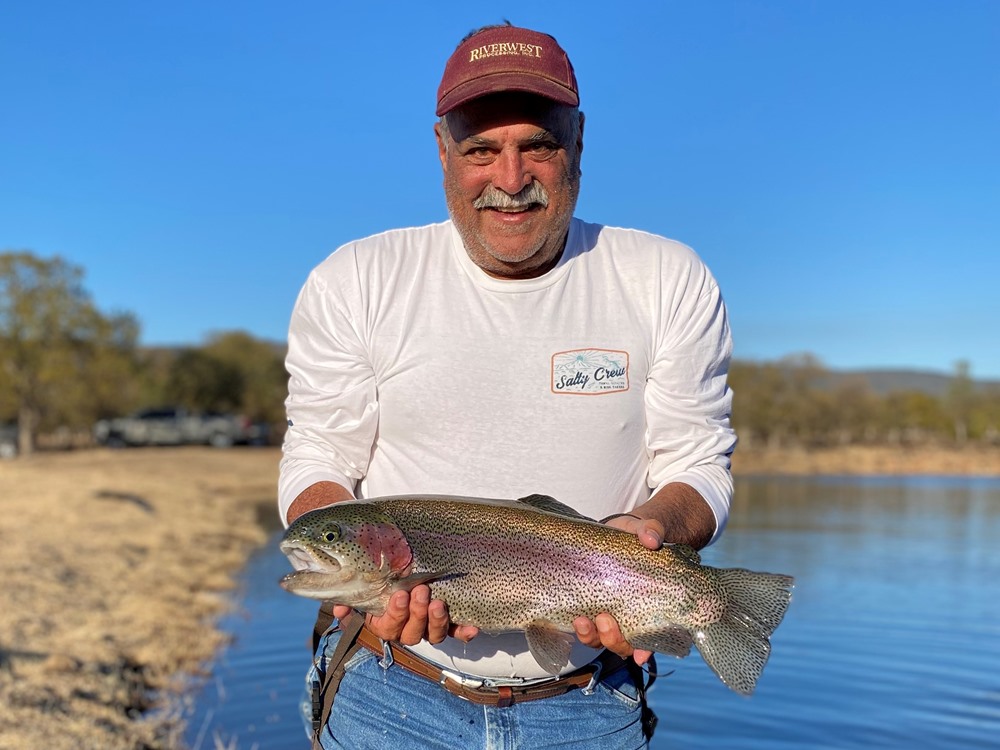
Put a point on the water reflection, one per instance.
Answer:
(892, 640)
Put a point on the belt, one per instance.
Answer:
(605, 664)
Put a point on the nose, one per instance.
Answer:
(511, 174)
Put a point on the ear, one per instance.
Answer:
(579, 141)
(442, 146)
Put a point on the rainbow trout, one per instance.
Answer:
(534, 565)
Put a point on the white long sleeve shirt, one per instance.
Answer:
(414, 372)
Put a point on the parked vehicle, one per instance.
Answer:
(8, 440)
(177, 426)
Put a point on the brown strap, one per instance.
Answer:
(347, 646)
(324, 619)
(354, 635)
(505, 697)
(501, 697)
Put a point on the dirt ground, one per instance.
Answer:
(114, 564)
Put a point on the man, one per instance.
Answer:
(511, 350)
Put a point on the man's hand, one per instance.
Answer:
(413, 616)
(650, 531)
(603, 630)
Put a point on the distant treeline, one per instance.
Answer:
(795, 402)
(64, 365)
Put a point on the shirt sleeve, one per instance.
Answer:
(688, 403)
(331, 407)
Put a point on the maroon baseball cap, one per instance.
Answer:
(507, 58)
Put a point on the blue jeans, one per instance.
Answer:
(392, 708)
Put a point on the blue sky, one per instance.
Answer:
(837, 164)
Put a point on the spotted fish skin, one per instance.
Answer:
(534, 565)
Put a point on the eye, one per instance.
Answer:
(543, 149)
(332, 534)
(480, 155)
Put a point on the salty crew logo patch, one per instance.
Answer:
(590, 372)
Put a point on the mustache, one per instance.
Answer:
(529, 195)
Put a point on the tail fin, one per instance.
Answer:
(736, 647)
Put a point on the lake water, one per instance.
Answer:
(892, 639)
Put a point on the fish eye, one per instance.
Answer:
(332, 534)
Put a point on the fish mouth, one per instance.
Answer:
(310, 559)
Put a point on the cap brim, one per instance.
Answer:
(496, 83)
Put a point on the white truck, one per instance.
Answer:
(8, 440)
(177, 426)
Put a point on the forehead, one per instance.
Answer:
(502, 110)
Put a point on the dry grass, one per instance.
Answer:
(972, 461)
(113, 566)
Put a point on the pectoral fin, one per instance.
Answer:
(549, 645)
(408, 583)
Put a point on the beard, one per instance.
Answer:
(523, 249)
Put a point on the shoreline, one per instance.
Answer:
(854, 460)
(117, 565)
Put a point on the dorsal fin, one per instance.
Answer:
(687, 552)
(551, 505)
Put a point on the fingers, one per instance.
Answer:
(340, 611)
(464, 633)
(414, 616)
(641, 657)
(586, 631)
(649, 531)
(438, 621)
(415, 624)
(611, 635)
(604, 632)
(389, 625)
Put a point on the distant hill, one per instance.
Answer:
(883, 382)
(880, 381)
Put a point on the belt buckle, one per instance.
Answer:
(589, 688)
(466, 682)
(387, 660)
